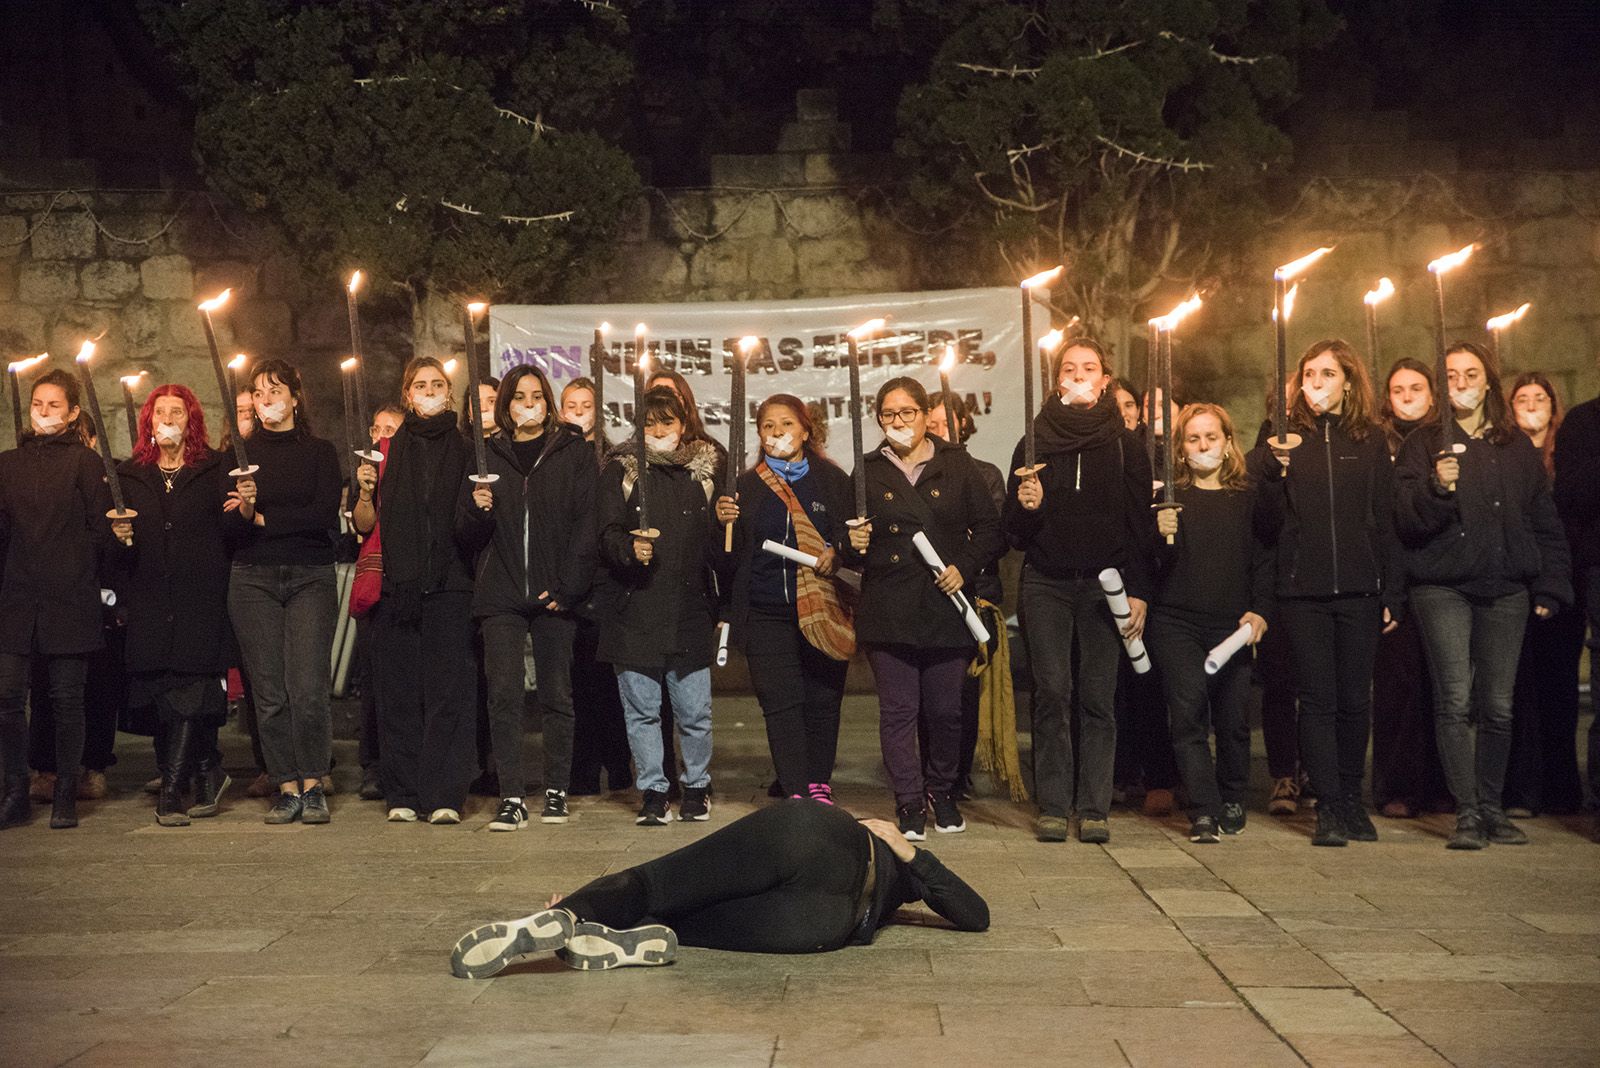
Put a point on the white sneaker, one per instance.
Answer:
(486, 950)
(402, 815)
(444, 816)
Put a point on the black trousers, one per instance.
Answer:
(105, 695)
(503, 636)
(1405, 753)
(66, 680)
(1543, 771)
(1144, 740)
(424, 671)
(600, 735)
(370, 748)
(784, 879)
(1280, 732)
(1200, 704)
(1332, 642)
(799, 690)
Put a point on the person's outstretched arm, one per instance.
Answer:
(935, 885)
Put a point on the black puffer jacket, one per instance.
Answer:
(541, 534)
(1577, 481)
(1496, 534)
(174, 578)
(900, 605)
(661, 615)
(53, 504)
(1332, 512)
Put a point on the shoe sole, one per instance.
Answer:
(915, 836)
(175, 819)
(316, 817)
(1468, 845)
(1331, 843)
(594, 947)
(488, 950)
(957, 829)
(201, 812)
(497, 826)
(553, 819)
(698, 817)
(654, 820)
(1204, 839)
(1052, 836)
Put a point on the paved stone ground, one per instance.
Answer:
(123, 943)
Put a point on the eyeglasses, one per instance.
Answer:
(902, 415)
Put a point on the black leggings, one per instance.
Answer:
(784, 879)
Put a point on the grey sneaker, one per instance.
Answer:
(1052, 829)
(286, 809)
(1094, 831)
(1469, 833)
(484, 951)
(314, 806)
(1232, 821)
(1500, 830)
(596, 947)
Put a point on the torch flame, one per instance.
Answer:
(1384, 291)
(866, 329)
(748, 342)
(355, 282)
(450, 366)
(1292, 270)
(86, 352)
(1500, 322)
(1049, 341)
(132, 381)
(238, 362)
(948, 362)
(1452, 261)
(605, 328)
(1169, 322)
(1288, 303)
(476, 307)
(1043, 278)
(19, 366)
(348, 365)
(216, 302)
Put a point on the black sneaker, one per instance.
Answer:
(1500, 830)
(513, 816)
(913, 822)
(696, 804)
(946, 816)
(1203, 829)
(286, 809)
(314, 806)
(1357, 824)
(486, 950)
(653, 811)
(1232, 821)
(371, 784)
(1330, 829)
(1469, 833)
(596, 947)
(555, 807)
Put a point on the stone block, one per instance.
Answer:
(238, 275)
(721, 263)
(323, 324)
(262, 326)
(13, 235)
(1295, 1011)
(64, 235)
(141, 329)
(1552, 242)
(47, 282)
(762, 172)
(21, 332)
(279, 275)
(1539, 194)
(109, 280)
(8, 281)
(182, 327)
(816, 105)
(821, 135)
(686, 216)
(169, 277)
(771, 260)
(744, 215)
(820, 217)
(136, 233)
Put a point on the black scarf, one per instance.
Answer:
(418, 510)
(1068, 428)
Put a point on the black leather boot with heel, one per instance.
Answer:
(64, 808)
(170, 810)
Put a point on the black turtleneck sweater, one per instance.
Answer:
(297, 494)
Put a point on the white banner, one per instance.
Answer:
(803, 352)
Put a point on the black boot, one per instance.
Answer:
(211, 781)
(176, 775)
(64, 810)
(15, 807)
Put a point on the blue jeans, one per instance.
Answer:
(691, 707)
(1473, 644)
(284, 618)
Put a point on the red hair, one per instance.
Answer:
(194, 436)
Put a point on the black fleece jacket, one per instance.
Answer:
(1577, 481)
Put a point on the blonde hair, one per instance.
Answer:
(1232, 473)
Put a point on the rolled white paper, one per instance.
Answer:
(108, 598)
(1117, 599)
(969, 615)
(722, 646)
(844, 574)
(1226, 648)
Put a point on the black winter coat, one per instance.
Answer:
(1332, 514)
(541, 534)
(661, 615)
(174, 578)
(900, 605)
(53, 504)
(1577, 481)
(1496, 534)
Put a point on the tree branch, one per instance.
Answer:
(1007, 202)
(1212, 52)
(1156, 161)
(1001, 72)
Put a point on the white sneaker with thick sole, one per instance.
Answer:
(402, 815)
(444, 816)
(596, 947)
(487, 950)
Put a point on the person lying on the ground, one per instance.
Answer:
(795, 877)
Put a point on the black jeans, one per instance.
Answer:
(1473, 644)
(1279, 706)
(1332, 642)
(599, 736)
(66, 676)
(1543, 771)
(284, 618)
(1200, 704)
(1054, 612)
(370, 747)
(1144, 742)
(1405, 757)
(424, 670)
(105, 695)
(800, 690)
(552, 665)
(1590, 595)
(784, 879)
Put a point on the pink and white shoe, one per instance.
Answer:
(821, 792)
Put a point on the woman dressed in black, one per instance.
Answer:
(795, 877)
(422, 637)
(175, 592)
(792, 621)
(53, 504)
(537, 538)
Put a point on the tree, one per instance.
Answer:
(456, 148)
(1128, 140)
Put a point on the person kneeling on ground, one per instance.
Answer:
(796, 877)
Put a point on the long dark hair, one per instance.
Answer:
(508, 386)
(802, 416)
(68, 384)
(1356, 419)
(691, 408)
(1386, 409)
(287, 375)
(1540, 379)
(1502, 429)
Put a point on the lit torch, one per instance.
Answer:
(1370, 302)
(1500, 331)
(1438, 268)
(1165, 325)
(15, 371)
(1282, 303)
